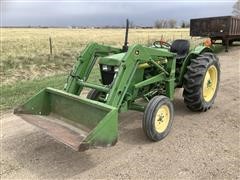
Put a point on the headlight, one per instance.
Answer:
(106, 68)
(116, 69)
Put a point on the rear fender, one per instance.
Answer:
(192, 55)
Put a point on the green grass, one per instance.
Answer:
(18, 93)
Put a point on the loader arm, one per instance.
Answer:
(136, 54)
(84, 65)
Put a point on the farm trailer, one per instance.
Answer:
(225, 28)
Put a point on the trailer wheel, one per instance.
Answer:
(201, 82)
(231, 42)
(93, 94)
(158, 118)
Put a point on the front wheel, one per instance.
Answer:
(158, 118)
(201, 82)
(94, 94)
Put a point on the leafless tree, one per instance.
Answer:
(163, 23)
(160, 23)
(236, 8)
(172, 23)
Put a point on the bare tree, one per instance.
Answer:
(163, 23)
(172, 23)
(160, 23)
(157, 24)
(236, 8)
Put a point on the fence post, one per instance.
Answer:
(50, 45)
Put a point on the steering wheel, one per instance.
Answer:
(163, 44)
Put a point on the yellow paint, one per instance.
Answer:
(162, 119)
(143, 66)
(210, 83)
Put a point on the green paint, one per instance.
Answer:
(112, 60)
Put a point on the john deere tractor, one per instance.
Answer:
(137, 78)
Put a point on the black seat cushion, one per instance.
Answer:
(181, 47)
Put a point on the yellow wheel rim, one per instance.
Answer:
(162, 119)
(210, 83)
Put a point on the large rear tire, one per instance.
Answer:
(201, 82)
(158, 118)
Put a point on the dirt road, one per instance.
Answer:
(200, 145)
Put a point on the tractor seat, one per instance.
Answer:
(181, 47)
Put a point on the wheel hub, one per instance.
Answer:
(162, 119)
(210, 83)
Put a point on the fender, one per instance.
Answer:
(192, 55)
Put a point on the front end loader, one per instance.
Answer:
(128, 75)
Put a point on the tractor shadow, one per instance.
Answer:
(47, 159)
(130, 124)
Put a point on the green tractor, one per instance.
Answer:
(131, 78)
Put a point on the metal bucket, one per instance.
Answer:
(77, 122)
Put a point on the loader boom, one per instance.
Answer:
(84, 65)
(133, 58)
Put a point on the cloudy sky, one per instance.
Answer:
(106, 12)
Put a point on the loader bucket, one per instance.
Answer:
(77, 122)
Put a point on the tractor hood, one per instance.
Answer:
(112, 60)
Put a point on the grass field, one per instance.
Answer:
(25, 55)
(25, 52)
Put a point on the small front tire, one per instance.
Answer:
(93, 94)
(158, 118)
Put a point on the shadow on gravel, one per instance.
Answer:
(47, 158)
(131, 123)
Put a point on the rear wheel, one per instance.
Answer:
(158, 118)
(201, 82)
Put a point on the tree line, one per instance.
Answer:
(170, 23)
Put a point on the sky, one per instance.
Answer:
(107, 12)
